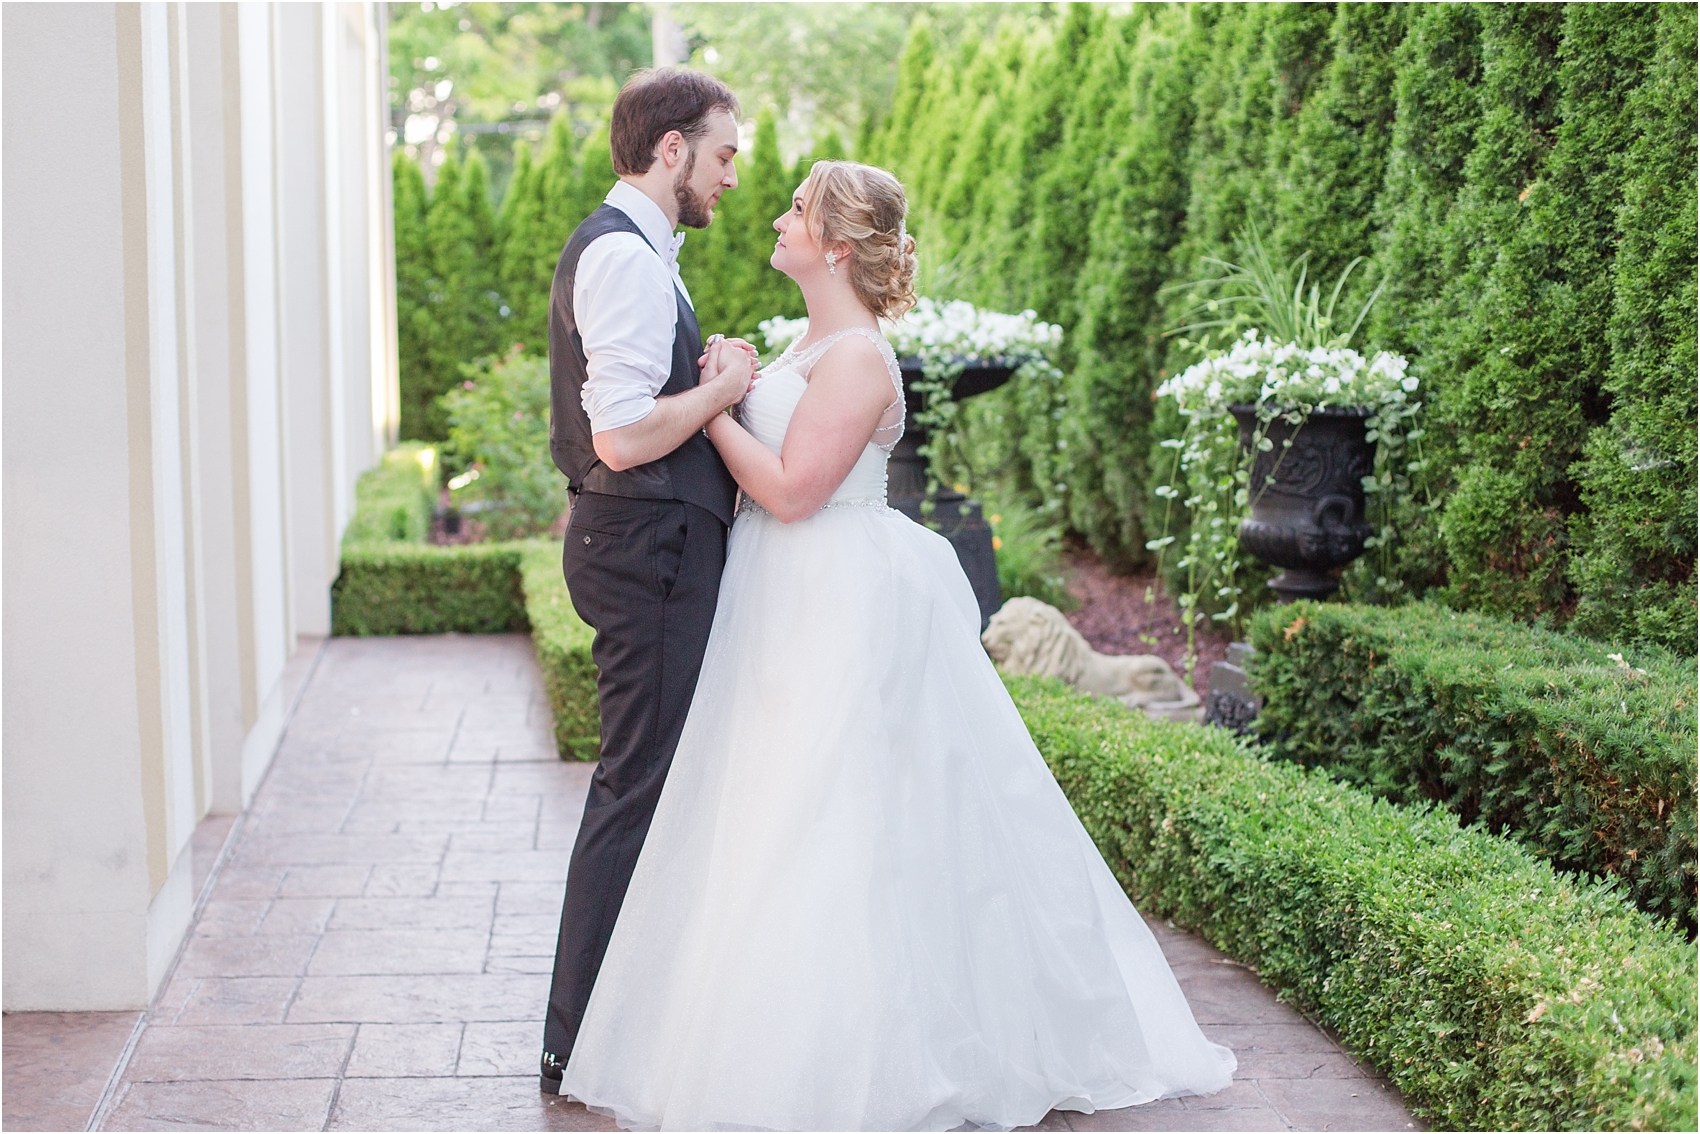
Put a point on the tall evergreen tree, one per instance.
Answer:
(1327, 180)
(519, 233)
(415, 315)
(1634, 566)
(479, 294)
(1526, 359)
(1141, 199)
(1095, 115)
(726, 266)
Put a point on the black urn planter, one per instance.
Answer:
(955, 517)
(1307, 501)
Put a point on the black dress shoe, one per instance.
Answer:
(549, 1074)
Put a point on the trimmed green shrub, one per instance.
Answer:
(562, 641)
(409, 588)
(394, 500)
(1494, 993)
(1587, 760)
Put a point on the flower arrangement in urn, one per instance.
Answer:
(1289, 432)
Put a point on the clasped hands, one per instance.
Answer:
(729, 364)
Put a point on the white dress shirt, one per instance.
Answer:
(626, 314)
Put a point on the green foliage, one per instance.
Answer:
(1139, 216)
(1521, 176)
(498, 435)
(1494, 993)
(406, 588)
(394, 500)
(1028, 552)
(415, 284)
(447, 271)
(465, 65)
(563, 645)
(1586, 759)
(1633, 564)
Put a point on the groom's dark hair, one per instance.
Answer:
(656, 100)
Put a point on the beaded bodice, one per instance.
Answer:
(766, 412)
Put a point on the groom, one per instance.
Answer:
(651, 498)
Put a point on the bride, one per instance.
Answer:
(864, 903)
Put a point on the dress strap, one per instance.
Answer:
(802, 361)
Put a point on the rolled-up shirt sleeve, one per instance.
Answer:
(627, 316)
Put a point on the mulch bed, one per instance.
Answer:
(1115, 618)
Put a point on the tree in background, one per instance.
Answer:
(1633, 564)
(488, 72)
(414, 285)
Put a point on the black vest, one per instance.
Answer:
(694, 472)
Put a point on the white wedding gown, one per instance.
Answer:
(864, 903)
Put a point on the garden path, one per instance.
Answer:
(372, 949)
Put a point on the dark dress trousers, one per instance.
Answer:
(643, 556)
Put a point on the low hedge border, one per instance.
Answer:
(563, 652)
(1587, 760)
(1494, 992)
(410, 588)
(394, 500)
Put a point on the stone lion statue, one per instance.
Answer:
(1028, 636)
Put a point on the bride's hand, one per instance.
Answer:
(719, 340)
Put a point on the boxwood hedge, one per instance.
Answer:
(1585, 757)
(411, 588)
(563, 652)
(1494, 992)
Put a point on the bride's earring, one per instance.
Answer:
(832, 263)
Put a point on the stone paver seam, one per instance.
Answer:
(341, 1073)
(448, 753)
(354, 797)
(1257, 1085)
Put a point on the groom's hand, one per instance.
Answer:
(728, 369)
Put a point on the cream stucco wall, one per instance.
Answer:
(198, 362)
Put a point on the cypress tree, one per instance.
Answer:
(518, 236)
(480, 300)
(1528, 359)
(1634, 567)
(415, 317)
(1437, 108)
(1043, 110)
(595, 177)
(890, 145)
(1095, 116)
(556, 178)
(726, 267)
(1327, 182)
(447, 233)
(971, 168)
(1141, 209)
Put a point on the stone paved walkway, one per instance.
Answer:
(373, 952)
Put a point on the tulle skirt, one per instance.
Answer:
(864, 903)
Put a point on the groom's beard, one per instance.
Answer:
(693, 210)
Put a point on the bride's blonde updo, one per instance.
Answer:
(864, 207)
